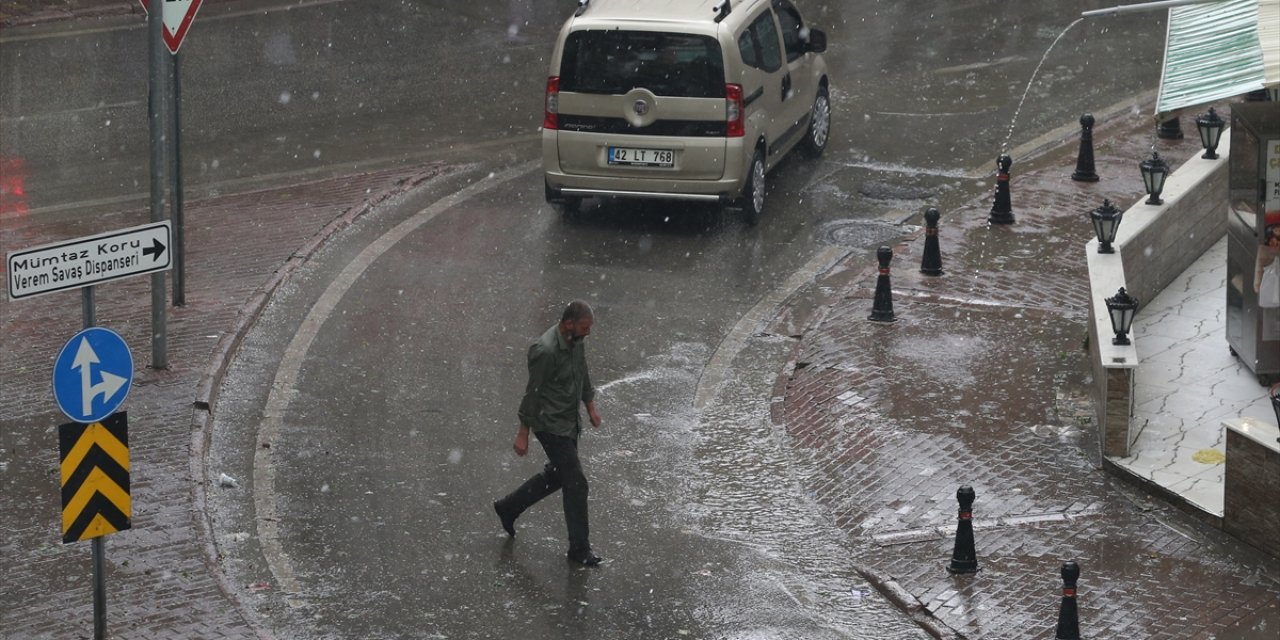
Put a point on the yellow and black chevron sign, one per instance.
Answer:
(95, 478)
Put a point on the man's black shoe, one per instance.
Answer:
(585, 557)
(508, 521)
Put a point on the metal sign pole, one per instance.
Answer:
(156, 47)
(99, 549)
(99, 589)
(86, 306)
(179, 230)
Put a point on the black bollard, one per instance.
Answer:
(965, 558)
(1085, 171)
(882, 310)
(1002, 210)
(931, 262)
(1170, 129)
(1068, 615)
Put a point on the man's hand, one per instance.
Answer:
(593, 414)
(522, 441)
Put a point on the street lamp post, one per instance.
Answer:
(1106, 221)
(1121, 307)
(1210, 126)
(1154, 171)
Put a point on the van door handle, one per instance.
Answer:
(786, 86)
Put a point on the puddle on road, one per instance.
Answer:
(746, 491)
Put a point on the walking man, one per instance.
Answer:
(558, 381)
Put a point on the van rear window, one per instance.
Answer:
(668, 64)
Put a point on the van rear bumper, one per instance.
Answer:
(652, 195)
(662, 185)
(568, 185)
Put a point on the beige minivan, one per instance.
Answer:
(681, 99)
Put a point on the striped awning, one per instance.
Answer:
(1269, 38)
(1219, 50)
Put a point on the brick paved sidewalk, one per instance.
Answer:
(159, 581)
(16, 13)
(981, 381)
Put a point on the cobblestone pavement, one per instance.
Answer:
(15, 13)
(160, 584)
(981, 382)
(21, 13)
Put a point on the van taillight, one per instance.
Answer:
(734, 111)
(549, 120)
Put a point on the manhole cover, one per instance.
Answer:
(861, 234)
(878, 190)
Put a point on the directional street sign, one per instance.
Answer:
(86, 261)
(95, 478)
(92, 374)
(178, 16)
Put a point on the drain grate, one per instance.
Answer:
(862, 234)
(880, 190)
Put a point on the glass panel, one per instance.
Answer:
(791, 39)
(766, 34)
(668, 64)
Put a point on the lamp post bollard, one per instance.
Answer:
(882, 309)
(1122, 307)
(964, 559)
(1002, 210)
(1154, 172)
(1068, 614)
(931, 261)
(1106, 221)
(1085, 171)
(1210, 127)
(1170, 129)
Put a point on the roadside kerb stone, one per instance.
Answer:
(19, 13)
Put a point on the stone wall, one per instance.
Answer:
(1250, 509)
(1154, 245)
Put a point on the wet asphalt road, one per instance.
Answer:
(369, 416)
(394, 429)
(276, 91)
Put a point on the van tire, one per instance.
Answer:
(815, 139)
(752, 200)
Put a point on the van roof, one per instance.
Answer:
(686, 11)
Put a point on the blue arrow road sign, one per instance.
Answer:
(92, 374)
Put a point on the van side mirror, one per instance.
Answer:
(817, 40)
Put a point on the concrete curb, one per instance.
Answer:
(207, 389)
(908, 604)
(49, 15)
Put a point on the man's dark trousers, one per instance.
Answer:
(562, 472)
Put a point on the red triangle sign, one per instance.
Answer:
(178, 16)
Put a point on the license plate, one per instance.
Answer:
(641, 157)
